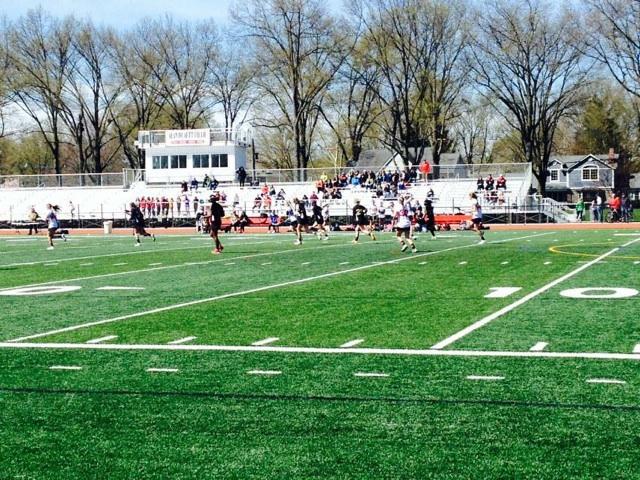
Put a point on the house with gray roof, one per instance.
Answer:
(573, 175)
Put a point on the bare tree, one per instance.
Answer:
(614, 39)
(180, 57)
(298, 49)
(418, 46)
(528, 57)
(40, 56)
(471, 131)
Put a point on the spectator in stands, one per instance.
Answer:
(213, 185)
(196, 204)
(480, 183)
(194, 184)
(431, 195)
(257, 203)
(33, 218)
(186, 205)
(241, 173)
(240, 220)
(171, 204)
(320, 185)
(489, 183)
(579, 209)
(206, 181)
(501, 183)
(266, 203)
(178, 204)
(184, 187)
(281, 195)
(272, 190)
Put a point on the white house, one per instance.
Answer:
(172, 156)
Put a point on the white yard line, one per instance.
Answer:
(352, 343)
(609, 381)
(487, 378)
(266, 341)
(238, 294)
(162, 370)
(370, 375)
(169, 267)
(102, 339)
(182, 340)
(481, 323)
(264, 372)
(324, 350)
(539, 347)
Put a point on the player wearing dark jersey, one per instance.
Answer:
(361, 221)
(137, 222)
(430, 217)
(299, 219)
(215, 222)
(317, 217)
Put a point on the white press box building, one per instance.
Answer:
(173, 156)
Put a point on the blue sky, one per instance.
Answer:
(123, 13)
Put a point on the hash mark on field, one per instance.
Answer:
(162, 370)
(422, 263)
(266, 263)
(352, 343)
(181, 340)
(636, 262)
(266, 341)
(370, 375)
(502, 292)
(538, 347)
(102, 339)
(120, 264)
(462, 263)
(65, 367)
(120, 288)
(230, 263)
(504, 263)
(607, 381)
(547, 263)
(488, 378)
(155, 264)
(305, 263)
(86, 264)
(264, 372)
(343, 263)
(636, 349)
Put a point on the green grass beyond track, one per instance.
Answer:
(304, 405)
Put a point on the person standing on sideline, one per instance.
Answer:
(579, 209)
(72, 212)
(33, 218)
(600, 204)
(361, 221)
(402, 226)
(137, 222)
(594, 210)
(431, 217)
(476, 216)
(242, 175)
(52, 223)
(217, 214)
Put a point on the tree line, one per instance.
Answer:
(502, 80)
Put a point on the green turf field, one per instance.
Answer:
(511, 359)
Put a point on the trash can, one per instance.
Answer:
(108, 227)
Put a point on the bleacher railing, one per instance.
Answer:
(73, 180)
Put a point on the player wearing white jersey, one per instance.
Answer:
(476, 216)
(402, 226)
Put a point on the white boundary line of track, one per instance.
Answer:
(484, 321)
(322, 350)
(256, 290)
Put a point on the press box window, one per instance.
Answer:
(178, 161)
(201, 161)
(220, 161)
(160, 161)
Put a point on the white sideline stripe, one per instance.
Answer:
(162, 370)
(102, 339)
(266, 341)
(371, 374)
(237, 294)
(539, 347)
(64, 367)
(167, 267)
(481, 323)
(120, 288)
(626, 234)
(325, 350)
(352, 343)
(606, 381)
(181, 340)
(488, 378)
(264, 372)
